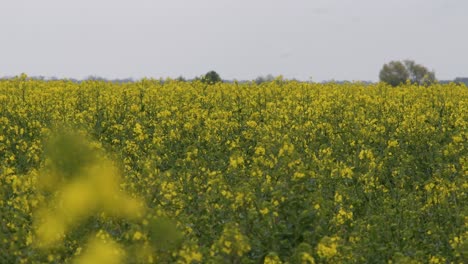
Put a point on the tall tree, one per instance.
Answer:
(396, 73)
(419, 74)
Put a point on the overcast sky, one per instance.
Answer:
(240, 39)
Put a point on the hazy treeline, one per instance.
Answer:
(260, 79)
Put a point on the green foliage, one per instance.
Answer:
(263, 79)
(211, 77)
(397, 73)
(163, 234)
(394, 73)
(419, 74)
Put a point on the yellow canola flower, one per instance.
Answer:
(306, 258)
(437, 260)
(347, 173)
(392, 143)
(231, 242)
(137, 235)
(338, 198)
(298, 175)
(264, 211)
(96, 191)
(236, 161)
(272, 259)
(101, 251)
(105, 181)
(260, 151)
(342, 216)
(78, 199)
(328, 247)
(50, 230)
(189, 254)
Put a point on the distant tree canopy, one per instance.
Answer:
(397, 72)
(462, 80)
(262, 79)
(394, 73)
(211, 77)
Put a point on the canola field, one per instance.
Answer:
(185, 172)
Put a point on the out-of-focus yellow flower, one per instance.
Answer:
(50, 230)
(264, 211)
(137, 235)
(101, 251)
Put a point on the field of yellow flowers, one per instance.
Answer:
(184, 172)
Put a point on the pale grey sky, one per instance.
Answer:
(322, 39)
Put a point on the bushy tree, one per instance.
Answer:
(262, 79)
(211, 77)
(419, 74)
(397, 72)
(394, 73)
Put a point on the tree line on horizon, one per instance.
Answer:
(394, 73)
